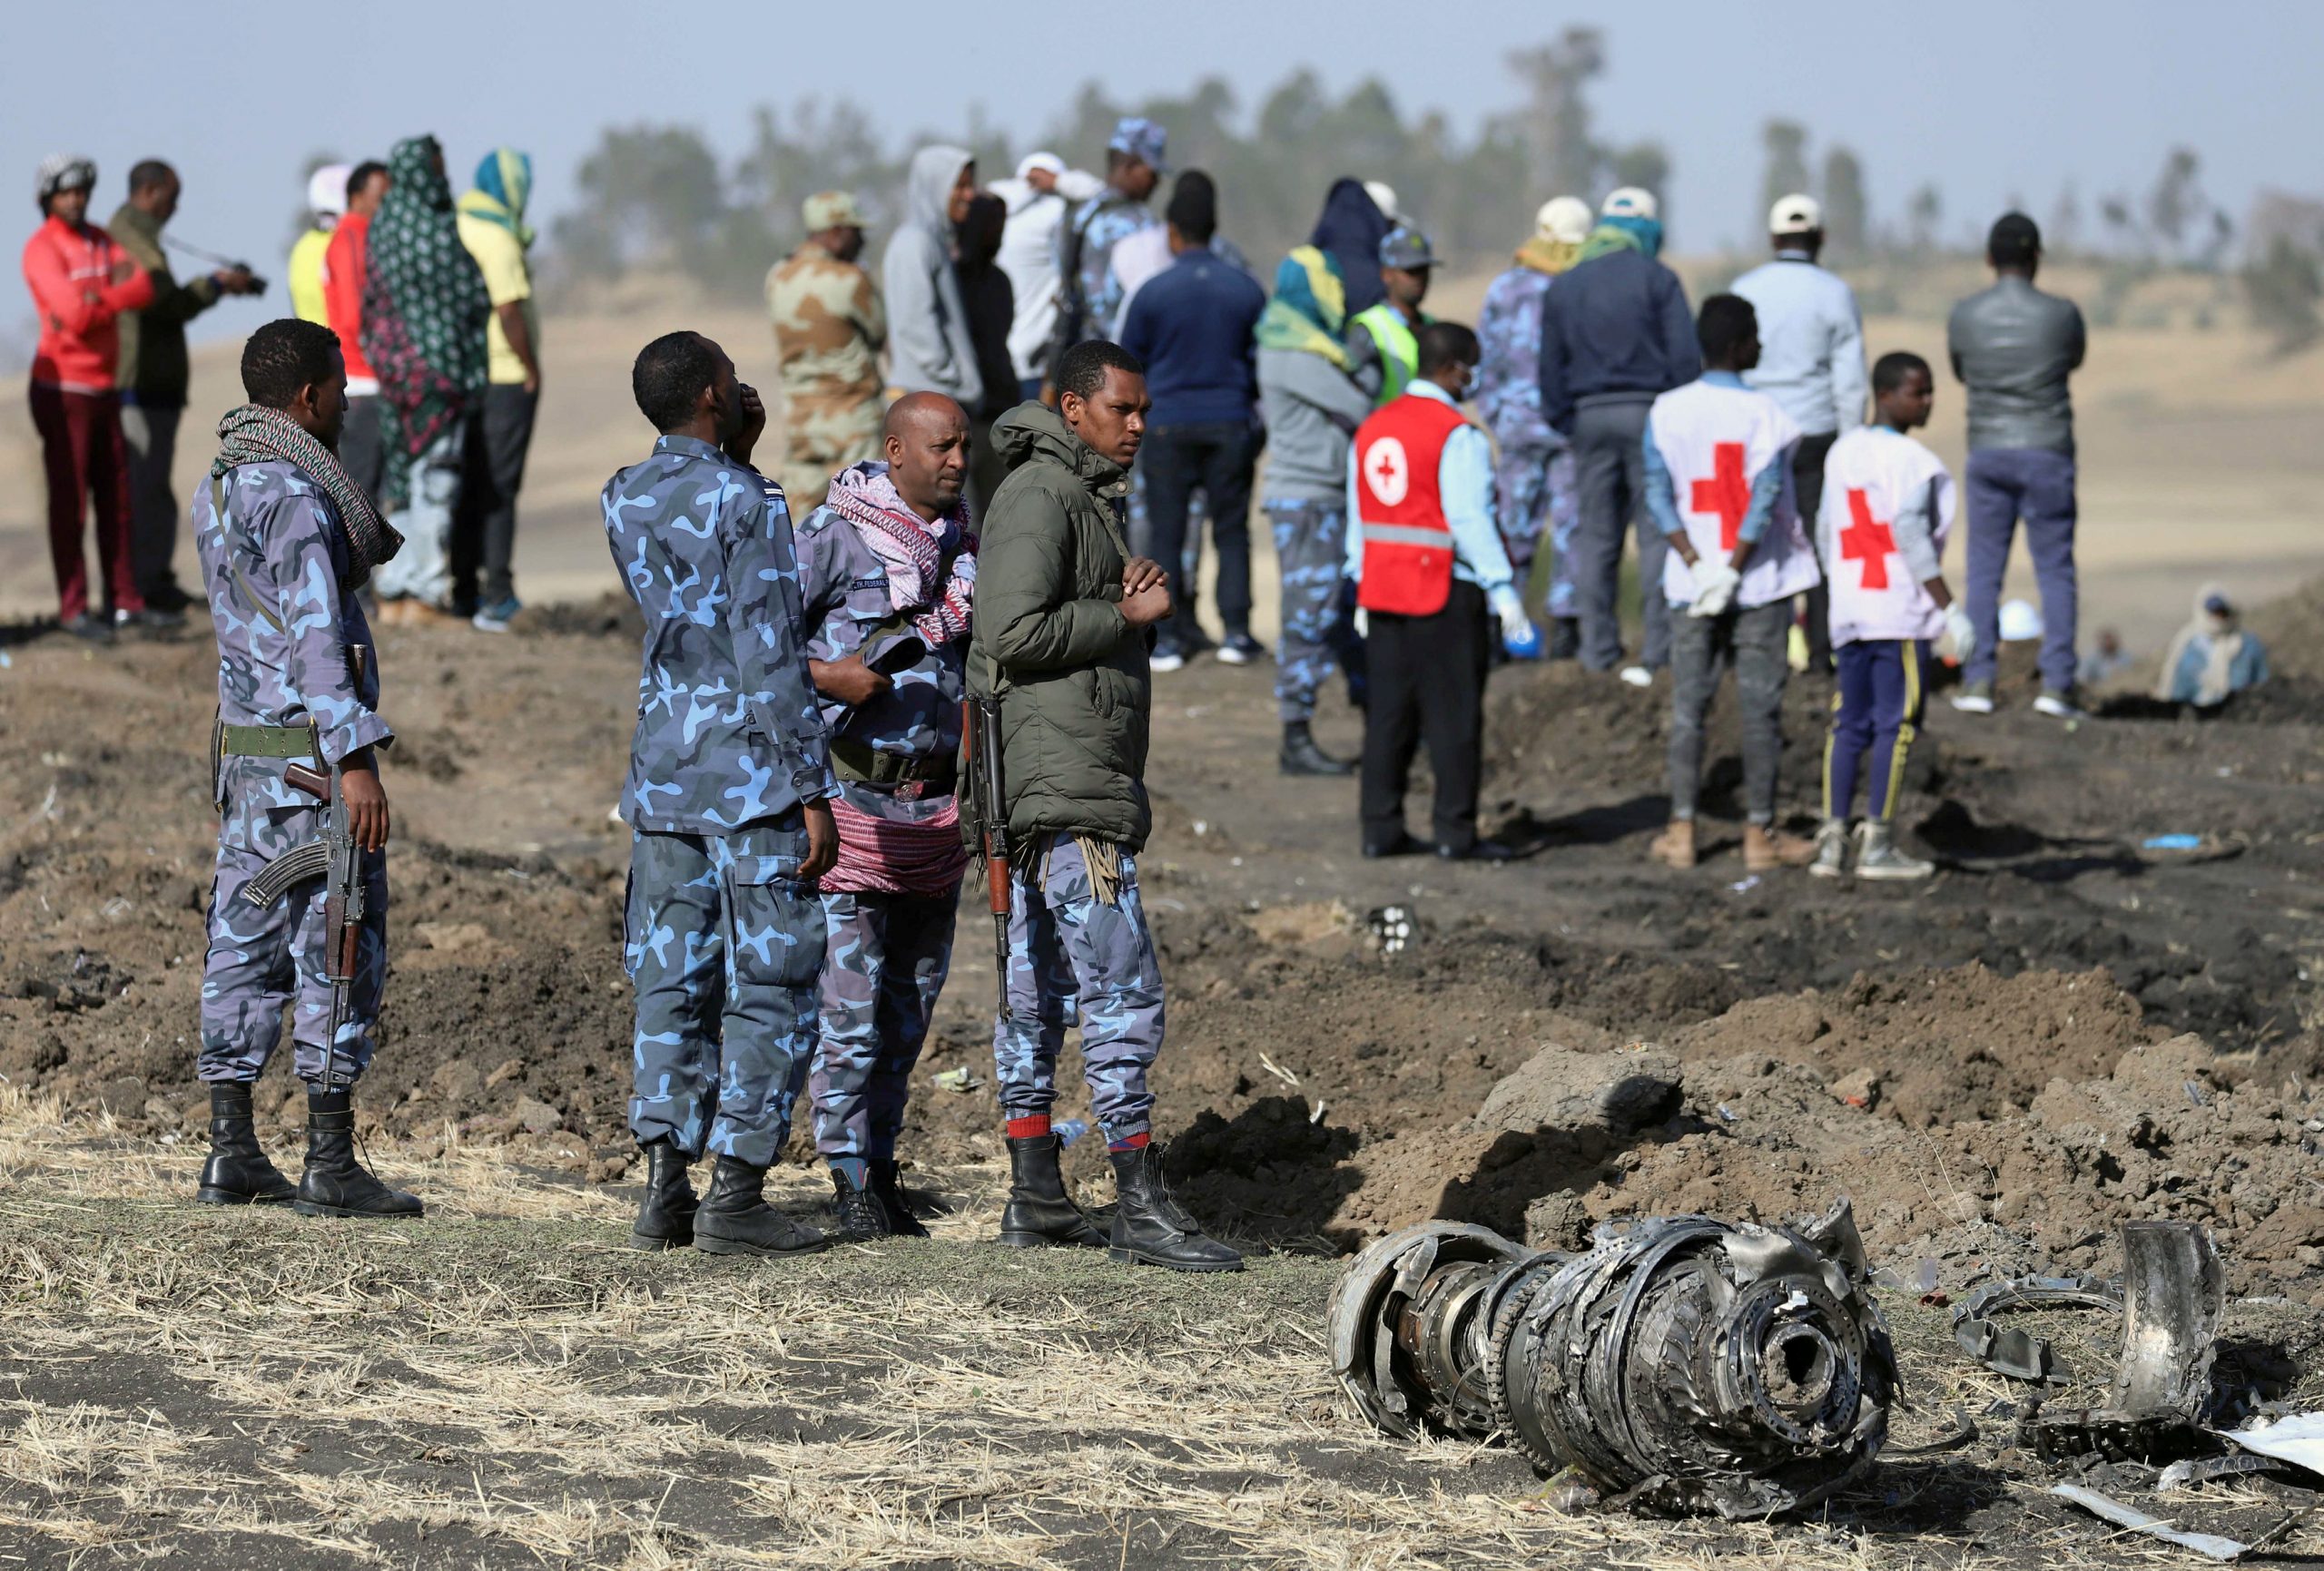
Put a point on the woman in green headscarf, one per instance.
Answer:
(424, 313)
(1312, 407)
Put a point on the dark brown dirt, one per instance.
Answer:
(1315, 1089)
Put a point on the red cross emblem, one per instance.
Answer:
(1726, 492)
(1867, 540)
(1383, 466)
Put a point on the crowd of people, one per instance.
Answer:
(432, 301)
(970, 567)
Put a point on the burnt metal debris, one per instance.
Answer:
(1681, 1364)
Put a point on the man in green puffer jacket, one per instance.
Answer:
(1064, 620)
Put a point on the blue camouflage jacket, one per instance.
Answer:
(845, 590)
(284, 536)
(1103, 222)
(727, 728)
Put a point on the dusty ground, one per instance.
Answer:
(2063, 1030)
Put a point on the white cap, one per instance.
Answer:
(1033, 161)
(1629, 202)
(1384, 197)
(327, 189)
(2020, 622)
(1795, 214)
(1562, 221)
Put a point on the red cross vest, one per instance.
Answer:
(1714, 439)
(1871, 475)
(1407, 542)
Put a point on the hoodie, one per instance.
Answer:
(929, 344)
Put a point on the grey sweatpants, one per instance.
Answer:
(1610, 476)
(1752, 641)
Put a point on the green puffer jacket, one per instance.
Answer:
(1052, 640)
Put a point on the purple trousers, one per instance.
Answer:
(2005, 484)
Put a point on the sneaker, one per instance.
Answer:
(496, 616)
(1831, 849)
(1876, 856)
(1637, 676)
(1165, 657)
(1241, 649)
(1974, 698)
(148, 621)
(2058, 706)
(91, 627)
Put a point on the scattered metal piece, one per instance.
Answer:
(2021, 1355)
(2203, 1469)
(2209, 1545)
(2174, 1293)
(1963, 1430)
(1681, 1364)
(2298, 1440)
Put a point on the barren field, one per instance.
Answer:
(2064, 1030)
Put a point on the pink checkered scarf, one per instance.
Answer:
(911, 549)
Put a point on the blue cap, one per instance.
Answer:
(1142, 139)
(1406, 250)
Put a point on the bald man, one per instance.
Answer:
(887, 567)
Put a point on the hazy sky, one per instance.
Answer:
(1986, 98)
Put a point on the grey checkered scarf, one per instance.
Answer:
(255, 434)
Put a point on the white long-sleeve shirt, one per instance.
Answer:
(1811, 343)
(1028, 256)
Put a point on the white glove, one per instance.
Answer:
(1716, 583)
(1363, 624)
(1516, 627)
(1963, 633)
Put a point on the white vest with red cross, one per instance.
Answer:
(1407, 540)
(1715, 440)
(1871, 475)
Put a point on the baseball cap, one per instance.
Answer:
(1795, 214)
(1629, 202)
(1562, 221)
(1405, 249)
(831, 210)
(327, 189)
(1384, 197)
(1142, 139)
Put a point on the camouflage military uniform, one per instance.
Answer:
(728, 746)
(829, 329)
(891, 927)
(284, 536)
(1073, 956)
(1088, 238)
(1318, 638)
(1534, 476)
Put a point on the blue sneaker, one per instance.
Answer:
(496, 616)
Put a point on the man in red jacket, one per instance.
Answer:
(81, 283)
(344, 263)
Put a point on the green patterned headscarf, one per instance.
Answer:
(1309, 310)
(424, 311)
(504, 184)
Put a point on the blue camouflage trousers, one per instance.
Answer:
(1318, 637)
(889, 956)
(722, 942)
(259, 960)
(1074, 957)
(1537, 495)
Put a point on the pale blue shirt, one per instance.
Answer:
(1811, 343)
(1464, 485)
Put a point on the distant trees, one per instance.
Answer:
(1847, 214)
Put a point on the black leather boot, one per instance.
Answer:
(1300, 755)
(735, 1219)
(335, 1184)
(1151, 1229)
(665, 1216)
(887, 1183)
(237, 1173)
(862, 1216)
(1040, 1213)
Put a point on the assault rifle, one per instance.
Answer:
(980, 733)
(335, 857)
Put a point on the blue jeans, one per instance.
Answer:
(2005, 484)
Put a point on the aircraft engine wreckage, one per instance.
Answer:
(1682, 1364)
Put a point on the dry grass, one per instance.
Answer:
(502, 1384)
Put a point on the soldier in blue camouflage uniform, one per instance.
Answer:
(282, 564)
(886, 571)
(1534, 475)
(725, 801)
